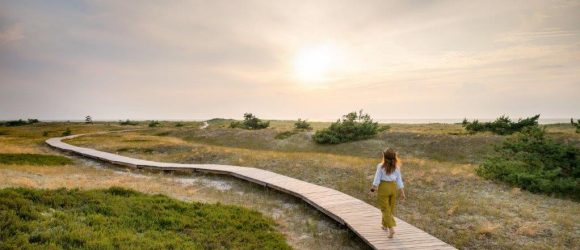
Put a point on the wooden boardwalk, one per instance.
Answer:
(360, 217)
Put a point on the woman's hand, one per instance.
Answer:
(403, 197)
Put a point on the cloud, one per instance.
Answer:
(11, 34)
(198, 59)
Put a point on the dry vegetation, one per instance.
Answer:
(445, 197)
(303, 227)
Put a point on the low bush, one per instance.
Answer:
(20, 122)
(250, 122)
(302, 125)
(153, 124)
(34, 159)
(128, 122)
(503, 125)
(353, 126)
(119, 218)
(533, 162)
(67, 132)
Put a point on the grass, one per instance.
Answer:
(285, 135)
(445, 196)
(289, 213)
(123, 218)
(34, 159)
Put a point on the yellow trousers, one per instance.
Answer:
(387, 197)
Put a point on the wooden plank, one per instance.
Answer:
(362, 218)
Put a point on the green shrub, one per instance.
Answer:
(34, 159)
(179, 124)
(44, 133)
(88, 119)
(533, 162)
(20, 122)
(119, 218)
(501, 126)
(153, 124)
(67, 132)
(353, 126)
(128, 122)
(250, 122)
(302, 124)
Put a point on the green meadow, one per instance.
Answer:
(446, 197)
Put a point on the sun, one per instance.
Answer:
(316, 64)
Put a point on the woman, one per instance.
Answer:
(388, 180)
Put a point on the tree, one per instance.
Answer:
(575, 124)
(302, 124)
(250, 122)
(88, 119)
(353, 126)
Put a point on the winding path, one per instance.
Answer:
(360, 217)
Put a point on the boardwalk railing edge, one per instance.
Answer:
(360, 217)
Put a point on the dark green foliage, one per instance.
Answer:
(128, 122)
(575, 124)
(179, 124)
(153, 124)
(302, 124)
(353, 126)
(44, 133)
(118, 218)
(284, 135)
(250, 122)
(88, 119)
(535, 163)
(503, 125)
(34, 159)
(20, 122)
(67, 132)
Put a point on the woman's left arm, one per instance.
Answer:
(377, 179)
(400, 184)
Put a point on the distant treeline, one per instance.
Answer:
(19, 122)
(501, 126)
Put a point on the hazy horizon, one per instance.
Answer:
(63, 60)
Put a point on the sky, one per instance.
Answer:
(317, 60)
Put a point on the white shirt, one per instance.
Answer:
(381, 175)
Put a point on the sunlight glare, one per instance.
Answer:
(315, 64)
